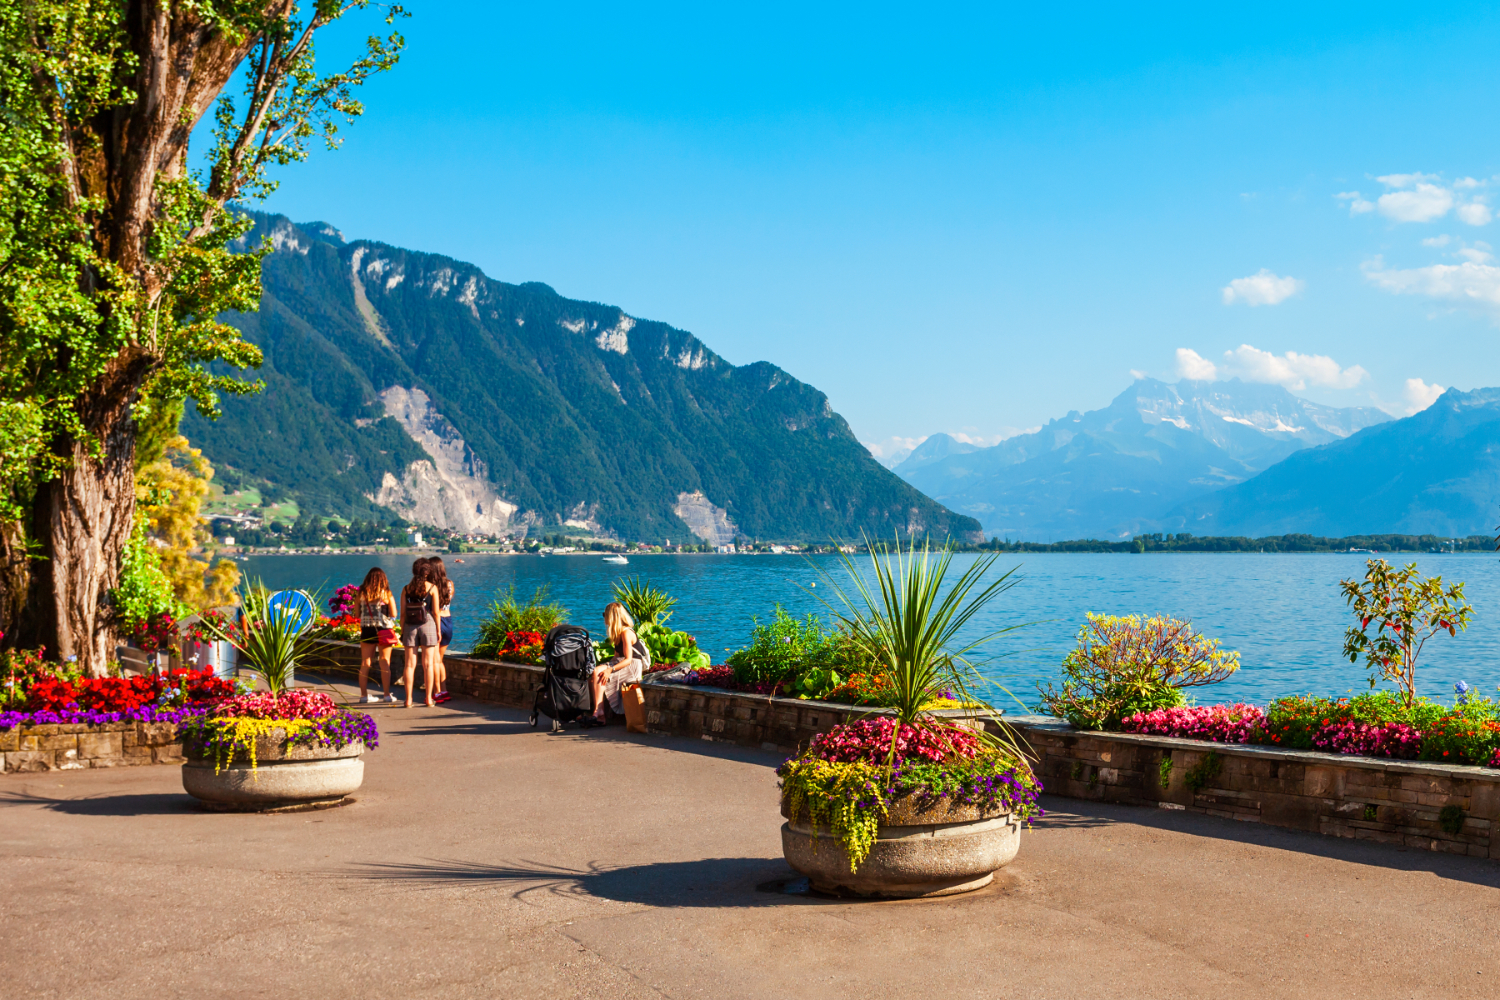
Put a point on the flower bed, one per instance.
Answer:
(1371, 725)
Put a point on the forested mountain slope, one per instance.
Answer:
(413, 383)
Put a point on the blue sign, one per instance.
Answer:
(293, 605)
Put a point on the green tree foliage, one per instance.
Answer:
(115, 261)
(1406, 609)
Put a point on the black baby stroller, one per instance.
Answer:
(568, 658)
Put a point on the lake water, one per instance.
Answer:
(1283, 612)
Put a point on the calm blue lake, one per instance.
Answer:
(1282, 612)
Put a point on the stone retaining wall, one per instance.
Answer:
(72, 747)
(1401, 802)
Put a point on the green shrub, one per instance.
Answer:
(506, 615)
(1470, 734)
(1125, 665)
(779, 648)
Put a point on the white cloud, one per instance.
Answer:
(1357, 203)
(1423, 203)
(1137, 374)
(1437, 241)
(1262, 289)
(1479, 253)
(1422, 197)
(1292, 370)
(1475, 213)
(1192, 365)
(1471, 282)
(1419, 395)
(1405, 180)
(891, 445)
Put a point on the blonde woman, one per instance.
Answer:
(625, 667)
(376, 607)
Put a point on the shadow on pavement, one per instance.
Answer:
(717, 882)
(143, 804)
(1078, 813)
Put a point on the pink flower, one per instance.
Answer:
(298, 704)
(1217, 723)
(1395, 739)
(870, 740)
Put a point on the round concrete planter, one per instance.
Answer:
(929, 852)
(284, 779)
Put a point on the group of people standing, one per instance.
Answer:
(425, 624)
(423, 616)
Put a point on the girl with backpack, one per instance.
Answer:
(419, 627)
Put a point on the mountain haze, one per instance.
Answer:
(412, 383)
(1117, 471)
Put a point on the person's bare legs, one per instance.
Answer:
(412, 652)
(429, 673)
(596, 688)
(385, 670)
(442, 670)
(366, 654)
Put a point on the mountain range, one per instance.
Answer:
(409, 383)
(1133, 465)
(1435, 472)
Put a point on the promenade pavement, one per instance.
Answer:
(487, 859)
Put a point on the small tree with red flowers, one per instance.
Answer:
(1405, 609)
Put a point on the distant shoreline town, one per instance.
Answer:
(1142, 544)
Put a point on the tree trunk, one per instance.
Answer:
(83, 518)
(15, 577)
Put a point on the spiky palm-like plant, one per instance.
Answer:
(646, 604)
(269, 642)
(908, 616)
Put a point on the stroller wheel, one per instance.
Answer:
(533, 720)
(556, 726)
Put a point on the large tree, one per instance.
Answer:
(116, 258)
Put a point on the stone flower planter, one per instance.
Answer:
(284, 778)
(931, 852)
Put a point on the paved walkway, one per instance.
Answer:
(485, 859)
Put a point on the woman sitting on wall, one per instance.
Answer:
(625, 667)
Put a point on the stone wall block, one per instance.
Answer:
(106, 744)
(10, 739)
(64, 742)
(24, 761)
(169, 754)
(1324, 782)
(1484, 799)
(155, 733)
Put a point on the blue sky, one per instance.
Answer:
(963, 218)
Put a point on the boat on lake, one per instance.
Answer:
(618, 560)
